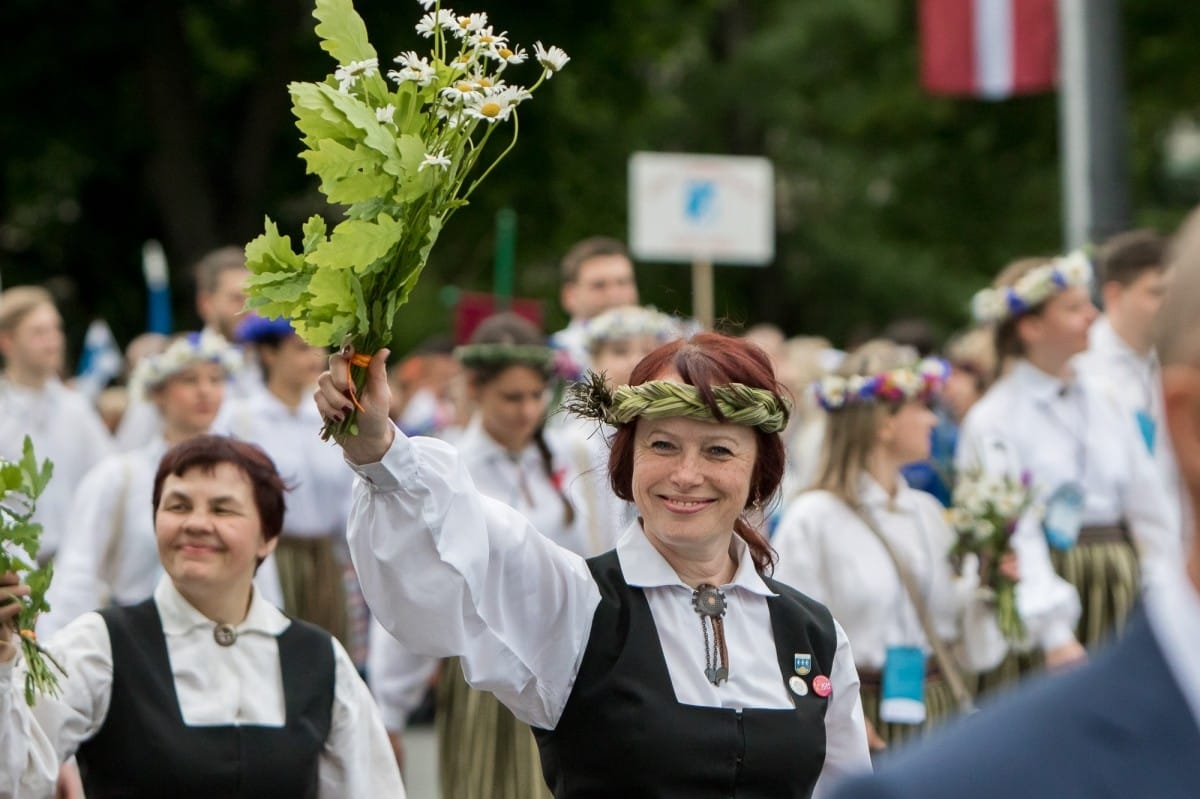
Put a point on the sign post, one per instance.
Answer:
(702, 210)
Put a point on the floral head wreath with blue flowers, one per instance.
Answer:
(994, 305)
(921, 381)
(188, 350)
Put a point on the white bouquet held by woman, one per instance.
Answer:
(984, 514)
(401, 150)
(21, 483)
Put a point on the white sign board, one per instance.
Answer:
(688, 208)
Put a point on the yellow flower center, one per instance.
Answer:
(464, 87)
(484, 83)
(464, 22)
(505, 53)
(490, 109)
(486, 39)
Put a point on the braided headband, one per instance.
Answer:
(482, 356)
(738, 403)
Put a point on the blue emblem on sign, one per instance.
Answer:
(700, 200)
(802, 663)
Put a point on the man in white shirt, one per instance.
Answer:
(597, 274)
(62, 423)
(1121, 355)
(221, 304)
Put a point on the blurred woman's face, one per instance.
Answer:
(616, 359)
(511, 406)
(960, 392)
(906, 434)
(189, 400)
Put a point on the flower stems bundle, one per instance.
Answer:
(984, 515)
(401, 153)
(21, 483)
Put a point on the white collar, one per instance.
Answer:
(1173, 607)
(179, 616)
(1103, 337)
(872, 495)
(1043, 387)
(478, 444)
(644, 567)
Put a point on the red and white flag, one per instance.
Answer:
(988, 48)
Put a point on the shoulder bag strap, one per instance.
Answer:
(940, 651)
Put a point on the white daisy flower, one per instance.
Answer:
(435, 159)
(416, 69)
(429, 23)
(495, 106)
(386, 113)
(459, 91)
(469, 24)
(1075, 268)
(507, 56)
(347, 75)
(462, 63)
(427, 4)
(552, 59)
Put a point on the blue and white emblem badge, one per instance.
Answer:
(802, 663)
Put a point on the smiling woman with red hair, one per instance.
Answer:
(603, 656)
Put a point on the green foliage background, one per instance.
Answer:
(891, 202)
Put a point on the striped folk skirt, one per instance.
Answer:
(312, 579)
(939, 707)
(484, 752)
(1103, 567)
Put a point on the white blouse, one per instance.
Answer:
(828, 552)
(605, 514)
(319, 501)
(110, 552)
(65, 429)
(1135, 381)
(215, 685)
(1059, 433)
(519, 480)
(450, 571)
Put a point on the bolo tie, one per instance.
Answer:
(709, 603)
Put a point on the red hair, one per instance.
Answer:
(706, 360)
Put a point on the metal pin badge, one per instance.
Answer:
(822, 686)
(224, 634)
(799, 687)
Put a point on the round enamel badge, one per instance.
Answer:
(822, 686)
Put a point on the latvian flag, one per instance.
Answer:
(988, 48)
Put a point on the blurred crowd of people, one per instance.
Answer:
(1044, 386)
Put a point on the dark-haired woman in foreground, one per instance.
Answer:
(668, 667)
(204, 690)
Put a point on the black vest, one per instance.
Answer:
(144, 749)
(624, 734)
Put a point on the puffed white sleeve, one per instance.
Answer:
(397, 677)
(78, 584)
(1049, 605)
(448, 571)
(34, 741)
(799, 544)
(846, 750)
(357, 759)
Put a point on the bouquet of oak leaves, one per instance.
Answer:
(21, 483)
(400, 151)
(984, 513)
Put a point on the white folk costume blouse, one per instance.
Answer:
(319, 499)
(519, 480)
(1061, 433)
(215, 685)
(828, 552)
(450, 571)
(65, 429)
(110, 552)
(1135, 381)
(605, 514)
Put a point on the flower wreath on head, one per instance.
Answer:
(739, 404)
(1032, 289)
(542, 359)
(618, 324)
(921, 381)
(206, 346)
